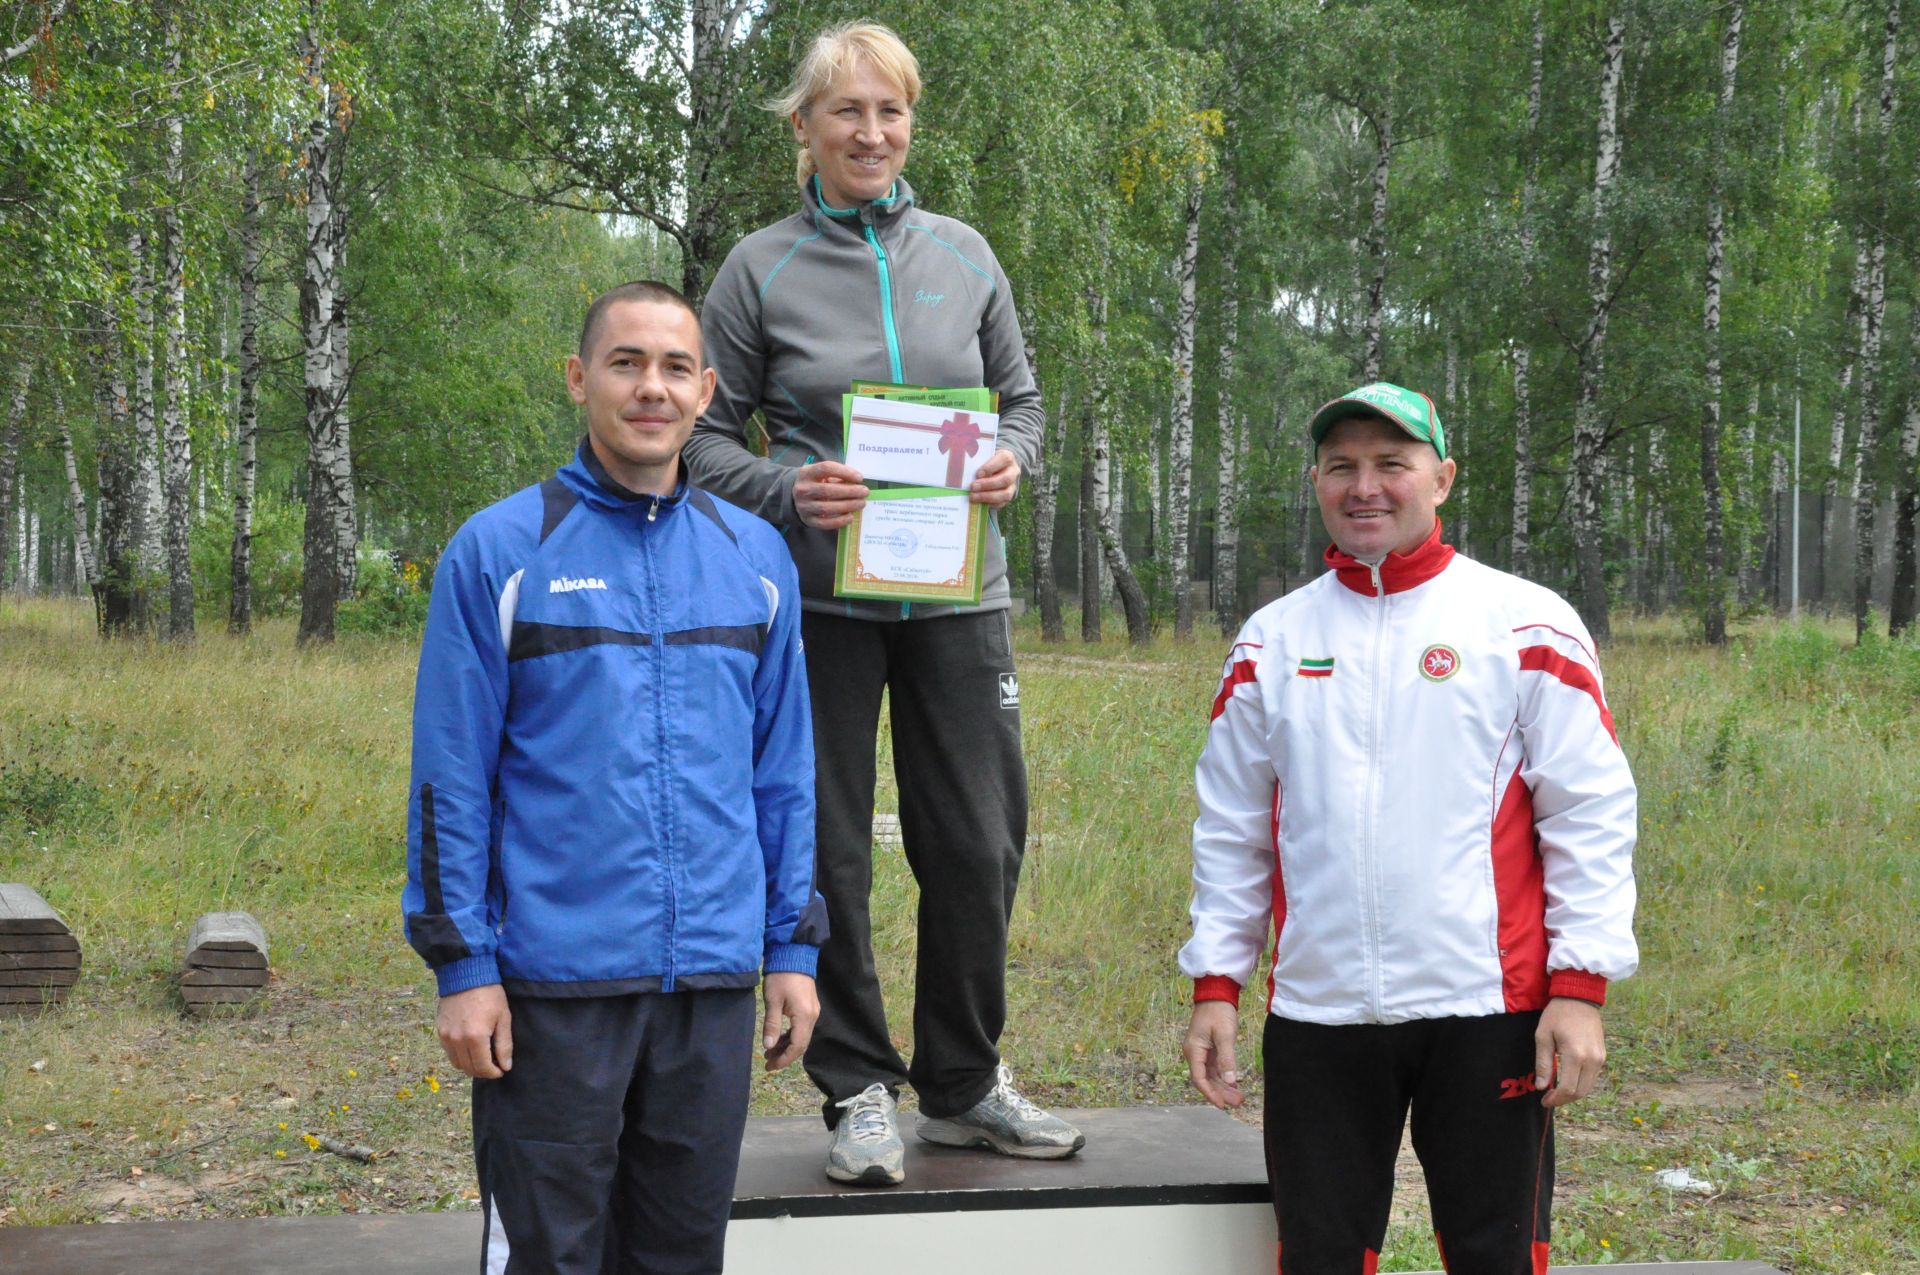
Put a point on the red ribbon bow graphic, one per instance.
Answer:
(959, 438)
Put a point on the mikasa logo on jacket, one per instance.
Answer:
(567, 584)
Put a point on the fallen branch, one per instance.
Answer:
(365, 1155)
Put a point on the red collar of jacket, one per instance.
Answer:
(1400, 571)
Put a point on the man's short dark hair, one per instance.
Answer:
(638, 290)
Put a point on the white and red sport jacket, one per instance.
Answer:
(1411, 771)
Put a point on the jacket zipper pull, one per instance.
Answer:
(1379, 589)
(653, 511)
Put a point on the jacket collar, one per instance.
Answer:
(873, 212)
(590, 479)
(1399, 572)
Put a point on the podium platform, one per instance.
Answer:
(1156, 1190)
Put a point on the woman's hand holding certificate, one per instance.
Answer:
(998, 481)
(827, 494)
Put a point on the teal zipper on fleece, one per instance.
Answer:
(886, 305)
(886, 274)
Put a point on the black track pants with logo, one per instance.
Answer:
(612, 1145)
(954, 703)
(1337, 1099)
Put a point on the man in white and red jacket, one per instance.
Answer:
(1412, 774)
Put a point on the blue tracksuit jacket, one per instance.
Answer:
(612, 784)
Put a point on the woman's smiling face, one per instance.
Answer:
(859, 131)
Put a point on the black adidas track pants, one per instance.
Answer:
(955, 704)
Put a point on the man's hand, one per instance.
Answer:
(827, 494)
(1570, 1035)
(476, 1030)
(1209, 1051)
(997, 481)
(790, 1000)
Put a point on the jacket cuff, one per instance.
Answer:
(468, 973)
(1216, 987)
(1579, 985)
(786, 479)
(792, 958)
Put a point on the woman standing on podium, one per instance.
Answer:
(862, 284)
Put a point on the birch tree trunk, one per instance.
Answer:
(247, 427)
(10, 464)
(1226, 533)
(1746, 483)
(1906, 578)
(346, 539)
(1046, 505)
(710, 100)
(1457, 501)
(1519, 554)
(116, 599)
(319, 591)
(1156, 493)
(76, 502)
(1589, 429)
(1377, 241)
(1113, 553)
(1714, 593)
(1133, 600)
(178, 453)
(1771, 568)
(1103, 488)
(1089, 524)
(148, 510)
(30, 560)
(1866, 486)
(1180, 442)
(1851, 332)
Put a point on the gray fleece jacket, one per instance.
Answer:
(806, 306)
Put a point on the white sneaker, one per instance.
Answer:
(1006, 1122)
(866, 1148)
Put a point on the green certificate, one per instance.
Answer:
(913, 544)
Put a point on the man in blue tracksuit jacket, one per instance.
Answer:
(610, 822)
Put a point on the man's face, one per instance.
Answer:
(859, 131)
(643, 385)
(1379, 489)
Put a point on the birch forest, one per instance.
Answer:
(286, 285)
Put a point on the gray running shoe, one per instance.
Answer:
(866, 1148)
(1009, 1124)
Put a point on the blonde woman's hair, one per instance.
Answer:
(833, 54)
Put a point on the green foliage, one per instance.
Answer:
(505, 163)
(278, 525)
(38, 800)
(385, 601)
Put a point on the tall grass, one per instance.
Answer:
(142, 784)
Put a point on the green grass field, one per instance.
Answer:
(1771, 1043)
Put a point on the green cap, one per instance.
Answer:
(1412, 411)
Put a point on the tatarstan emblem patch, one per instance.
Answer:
(1439, 662)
